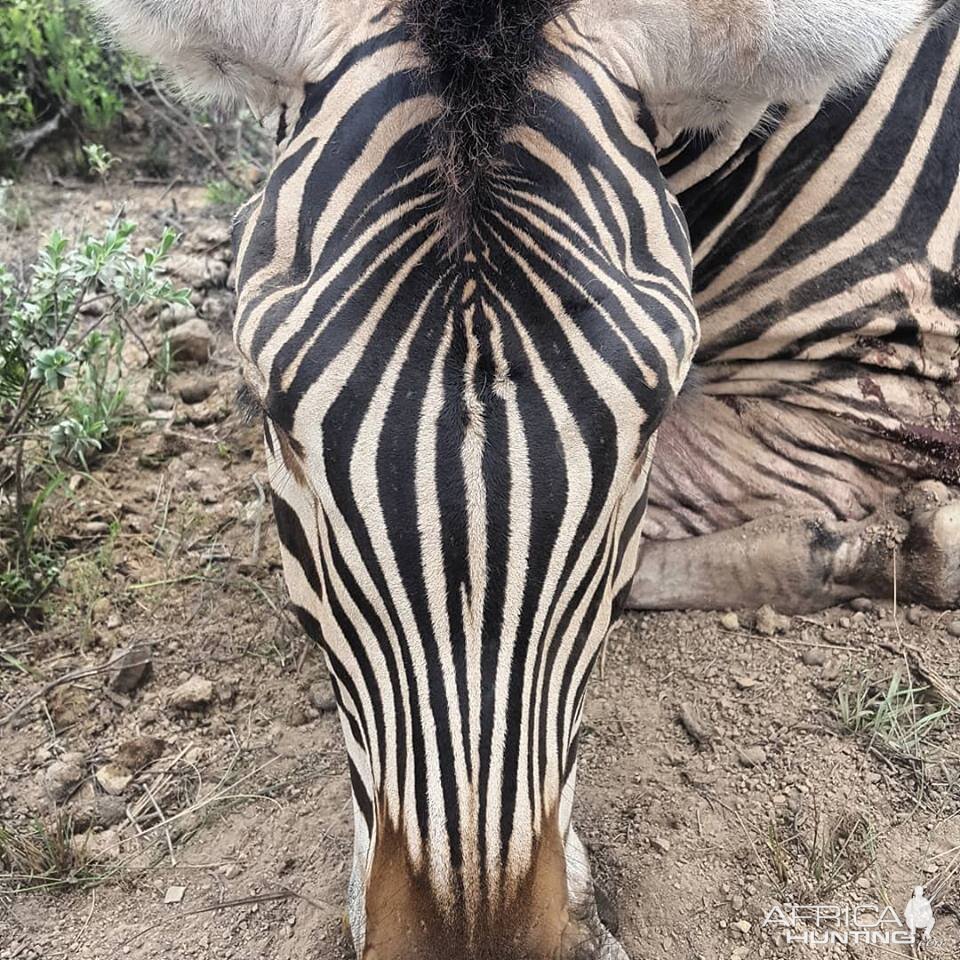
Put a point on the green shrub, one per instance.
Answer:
(52, 61)
(61, 383)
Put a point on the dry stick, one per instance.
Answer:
(66, 678)
(285, 893)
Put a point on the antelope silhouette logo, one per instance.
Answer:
(919, 914)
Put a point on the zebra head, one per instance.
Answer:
(464, 306)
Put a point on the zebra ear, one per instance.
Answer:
(710, 60)
(226, 50)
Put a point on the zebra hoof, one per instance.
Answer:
(932, 556)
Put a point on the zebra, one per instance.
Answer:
(467, 303)
(826, 240)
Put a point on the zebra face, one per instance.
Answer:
(464, 306)
(459, 438)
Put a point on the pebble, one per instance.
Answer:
(133, 668)
(321, 698)
(861, 604)
(100, 609)
(114, 778)
(660, 845)
(752, 757)
(190, 341)
(814, 657)
(768, 622)
(174, 894)
(744, 926)
(98, 811)
(174, 314)
(915, 616)
(62, 777)
(730, 621)
(192, 694)
(159, 448)
(195, 389)
(159, 401)
(135, 754)
(953, 628)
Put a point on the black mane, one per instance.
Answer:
(480, 57)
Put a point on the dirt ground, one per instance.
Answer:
(204, 807)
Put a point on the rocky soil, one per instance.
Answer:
(171, 764)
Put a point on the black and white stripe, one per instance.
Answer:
(460, 442)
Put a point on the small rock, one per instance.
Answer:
(225, 692)
(207, 412)
(915, 616)
(745, 683)
(730, 621)
(159, 448)
(100, 609)
(194, 389)
(736, 901)
(98, 811)
(174, 894)
(133, 668)
(814, 657)
(159, 401)
(199, 273)
(192, 694)
(191, 341)
(218, 310)
(97, 846)
(114, 778)
(660, 845)
(321, 698)
(743, 926)
(296, 717)
(861, 605)
(698, 729)
(135, 754)
(768, 622)
(68, 705)
(752, 757)
(62, 777)
(174, 314)
(953, 628)
(863, 883)
(831, 670)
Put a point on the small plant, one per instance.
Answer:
(812, 856)
(44, 856)
(898, 716)
(61, 394)
(99, 159)
(225, 196)
(14, 210)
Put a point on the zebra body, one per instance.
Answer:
(827, 251)
(466, 304)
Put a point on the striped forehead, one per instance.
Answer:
(578, 221)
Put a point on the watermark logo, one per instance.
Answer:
(829, 924)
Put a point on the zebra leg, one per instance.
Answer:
(806, 561)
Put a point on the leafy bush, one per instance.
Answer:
(62, 331)
(52, 61)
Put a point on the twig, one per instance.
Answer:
(283, 894)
